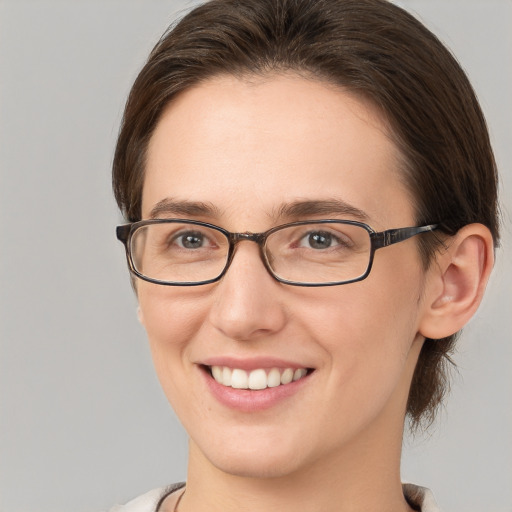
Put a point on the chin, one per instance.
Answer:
(265, 459)
(245, 466)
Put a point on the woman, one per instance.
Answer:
(311, 195)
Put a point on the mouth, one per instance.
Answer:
(256, 379)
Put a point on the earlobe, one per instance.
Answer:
(457, 281)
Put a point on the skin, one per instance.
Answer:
(246, 147)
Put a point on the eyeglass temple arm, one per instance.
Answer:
(393, 236)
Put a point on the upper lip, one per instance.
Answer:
(252, 363)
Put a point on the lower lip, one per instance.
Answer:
(247, 400)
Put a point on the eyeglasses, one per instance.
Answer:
(328, 252)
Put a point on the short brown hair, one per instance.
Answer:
(369, 47)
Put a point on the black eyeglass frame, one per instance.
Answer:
(378, 240)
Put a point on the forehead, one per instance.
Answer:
(248, 146)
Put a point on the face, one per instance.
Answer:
(234, 153)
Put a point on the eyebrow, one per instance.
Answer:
(169, 206)
(329, 207)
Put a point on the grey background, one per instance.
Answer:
(83, 423)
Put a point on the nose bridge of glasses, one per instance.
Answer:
(259, 238)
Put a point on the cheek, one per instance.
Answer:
(366, 329)
(365, 312)
(169, 313)
(171, 319)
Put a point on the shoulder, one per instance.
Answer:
(420, 497)
(149, 501)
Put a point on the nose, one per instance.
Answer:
(247, 300)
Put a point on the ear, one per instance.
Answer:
(456, 281)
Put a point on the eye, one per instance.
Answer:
(319, 240)
(191, 240)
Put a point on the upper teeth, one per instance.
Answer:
(255, 379)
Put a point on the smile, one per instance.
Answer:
(256, 379)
